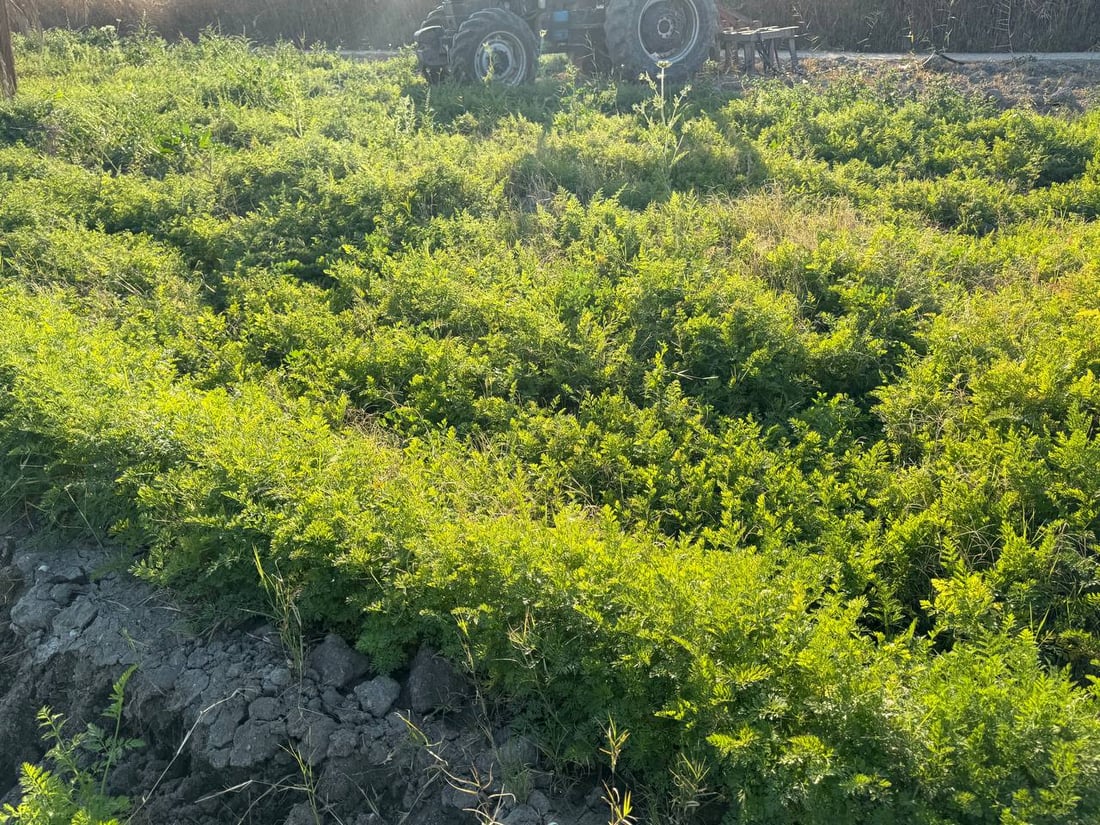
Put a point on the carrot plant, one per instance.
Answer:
(783, 455)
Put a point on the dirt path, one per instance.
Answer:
(960, 57)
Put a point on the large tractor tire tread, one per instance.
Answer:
(436, 17)
(648, 36)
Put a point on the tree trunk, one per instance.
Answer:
(7, 56)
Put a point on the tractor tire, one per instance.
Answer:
(433, 73)
(495, 46)
(651, 36)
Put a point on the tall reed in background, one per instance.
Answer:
(971, 25)
(349, 23)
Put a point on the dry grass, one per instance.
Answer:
(963, 25)
(349, 23)
(874, 25)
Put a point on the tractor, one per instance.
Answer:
(500, 42)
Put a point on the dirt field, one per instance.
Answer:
(1043, 83)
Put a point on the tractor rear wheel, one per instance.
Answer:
(429, 45)
(495, 46)
(650, 36)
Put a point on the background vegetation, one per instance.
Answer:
(961, 25)
(872, 25)
(765, 426)
(355, 24)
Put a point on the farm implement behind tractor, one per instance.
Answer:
(500, 42)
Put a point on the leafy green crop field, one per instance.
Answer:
(765, 426)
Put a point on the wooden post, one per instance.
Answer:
(7, 56)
